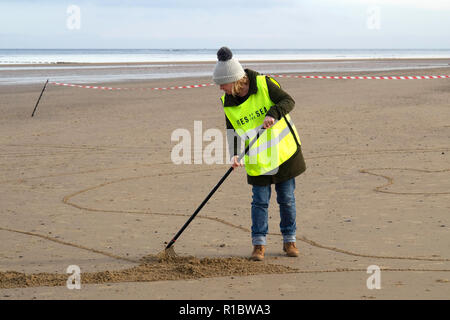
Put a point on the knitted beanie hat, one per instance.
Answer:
(227, 69)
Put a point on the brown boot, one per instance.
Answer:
(258, 253)
(290, 249)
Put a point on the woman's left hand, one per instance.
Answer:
(268, 122)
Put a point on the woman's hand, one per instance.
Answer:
(268, 122)
(236, 163)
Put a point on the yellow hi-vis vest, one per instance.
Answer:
(275, 145)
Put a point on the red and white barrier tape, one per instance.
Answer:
(112, 88)
(365, 77)
(274, 76)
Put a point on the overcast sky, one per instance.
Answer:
(250, 24)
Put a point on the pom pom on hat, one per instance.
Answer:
(224, 54)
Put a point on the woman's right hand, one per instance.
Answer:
(235, 163)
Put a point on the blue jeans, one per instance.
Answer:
(260, 205)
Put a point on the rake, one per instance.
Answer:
(168, 251)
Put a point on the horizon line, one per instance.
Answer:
(279, 49)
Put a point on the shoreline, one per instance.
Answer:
(197, 80)
(107, 73)
(143, 63)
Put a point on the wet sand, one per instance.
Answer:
(136, 72)
(89, 181)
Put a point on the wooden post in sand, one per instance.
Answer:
(43, 89)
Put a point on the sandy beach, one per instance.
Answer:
(89, 181)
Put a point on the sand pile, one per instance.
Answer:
(152, 268)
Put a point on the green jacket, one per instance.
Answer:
(283, 105)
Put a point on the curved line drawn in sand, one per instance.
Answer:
(34, 234)
(76, 148)
(372, 152)
(390, 180)
(67, 201)
(344, 154)
(144, 272)
(46, 150)
(24, 155)
(83, 148)
(87, 171)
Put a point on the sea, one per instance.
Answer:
(24, 66)
(33, 56)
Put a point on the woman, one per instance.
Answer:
(256, 107)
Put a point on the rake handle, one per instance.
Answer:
(199, 208)
(213, 191)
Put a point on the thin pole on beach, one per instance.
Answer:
(39, 99)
